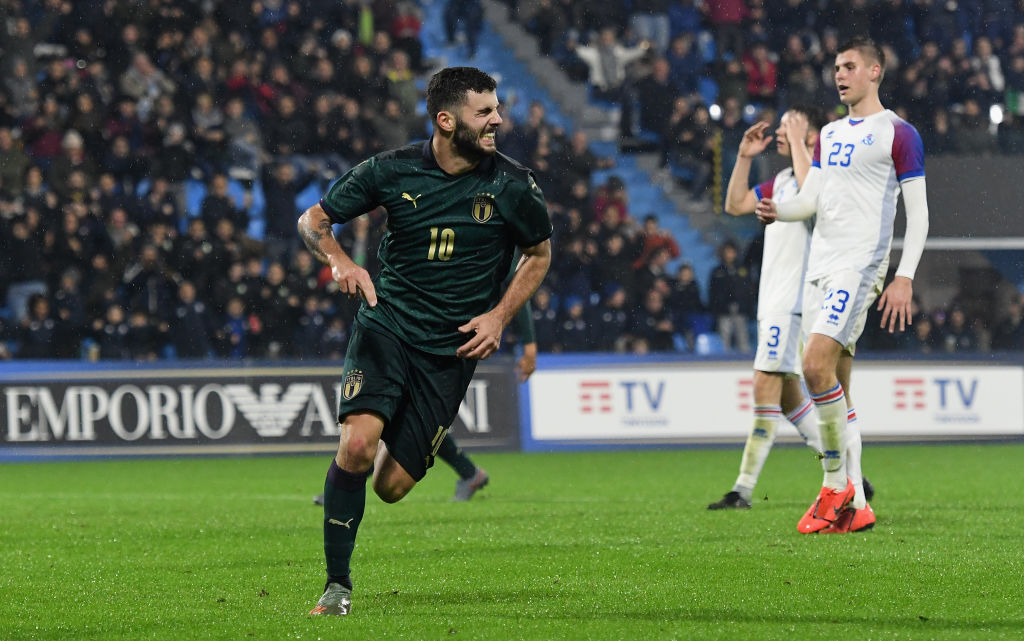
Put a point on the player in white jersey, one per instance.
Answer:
(860, 166)
(777, 389)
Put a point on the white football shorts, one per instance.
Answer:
(837, 305)
(778, 344)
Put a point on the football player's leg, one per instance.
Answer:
(864, 292)
(455, 456)
(820, 359)
(418, 429)
(845, 300)
(799, 411)
(345, 491)
(767, 413)
(471, 477)
(371, 388)
(402, 458)
(853, 440)
(344, 501)
(391, 481)
(858, 516)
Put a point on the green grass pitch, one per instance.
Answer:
(599, 545)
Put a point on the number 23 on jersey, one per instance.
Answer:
(840, 154)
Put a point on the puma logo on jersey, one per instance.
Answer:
(410, 198)
(347, 524)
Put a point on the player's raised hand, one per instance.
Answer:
(755, 140)
(895, 303)
(766, 211)
(486, 330)
(796, 128)
(353, 279)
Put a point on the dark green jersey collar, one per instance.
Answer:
(485, 168)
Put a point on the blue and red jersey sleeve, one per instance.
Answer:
(907, 151)
(765, 189)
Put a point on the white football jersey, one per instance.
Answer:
(786, 248)
(863, 163)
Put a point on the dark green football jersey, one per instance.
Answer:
(449, 241)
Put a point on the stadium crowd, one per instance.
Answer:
(949, 64)
(108, 110)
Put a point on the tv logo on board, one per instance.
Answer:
(638, 401)
(953, 398)
(908, 393)
(595, 397)
(745, 394)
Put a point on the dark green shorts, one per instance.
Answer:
(416, 393)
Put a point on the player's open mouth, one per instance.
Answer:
(842, 88)
(488, 137)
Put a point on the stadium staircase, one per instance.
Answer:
(526, 76)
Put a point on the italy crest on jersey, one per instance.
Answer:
(352, 384)
(483, 207)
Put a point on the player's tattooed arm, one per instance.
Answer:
(315, 229)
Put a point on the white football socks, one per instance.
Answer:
(853, 452)
(831, 406)
(759, 444)
(805, 420)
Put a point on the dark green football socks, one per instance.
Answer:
(344, 502)
(453, 455)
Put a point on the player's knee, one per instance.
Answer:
(818, 375)
(360, 436)
(357, 454)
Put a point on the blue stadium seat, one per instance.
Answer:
(256, 229)
(708, 90)
(308, 196)
(709, 344)
(701, 323)
(195, 192)
(680, 344)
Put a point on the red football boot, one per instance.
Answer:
(852, 520)
(826, 509)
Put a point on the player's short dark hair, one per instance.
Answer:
(816, 118)
(448, 88)
(867, 48)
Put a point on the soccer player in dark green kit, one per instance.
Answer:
(457, 210)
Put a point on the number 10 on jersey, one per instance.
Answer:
(442, 244)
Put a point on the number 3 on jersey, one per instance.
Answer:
(840, 154)
(441, 244)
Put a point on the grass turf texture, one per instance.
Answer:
(613, 545)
